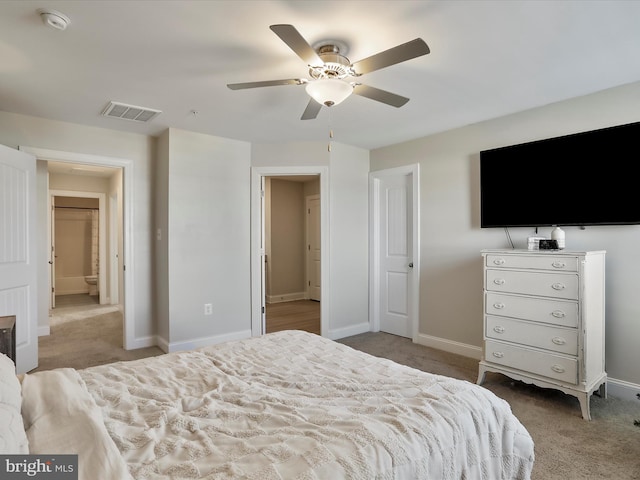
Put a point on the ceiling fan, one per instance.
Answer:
(329, 68)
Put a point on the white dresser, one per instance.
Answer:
(544, 320)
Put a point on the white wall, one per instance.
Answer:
(22, 130)
(208, 239)
(451, 240)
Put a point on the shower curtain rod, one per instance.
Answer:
(80, 208)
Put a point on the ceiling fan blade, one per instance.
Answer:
(312, 110)
(289, 35)
(380, 95)
(268, 83)
(406, 51)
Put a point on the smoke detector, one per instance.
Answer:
(54, 19)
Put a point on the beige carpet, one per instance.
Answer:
(84, 336)
(567, 447)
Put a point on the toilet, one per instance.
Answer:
(92, 281)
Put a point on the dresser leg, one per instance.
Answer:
(585, 406)
(481, 374)
(602, 390)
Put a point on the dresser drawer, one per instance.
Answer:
(555, 312)
(548, 365)
(555, 285)
(540, 261)
(556, 339)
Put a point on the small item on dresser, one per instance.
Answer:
(533, 242)
(548, 244)
(558, 235)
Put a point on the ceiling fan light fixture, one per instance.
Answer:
(329, 92)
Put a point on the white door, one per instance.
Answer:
(313, 247)
(263, 256)
(18, 295)
(394, 274)
(52, 254)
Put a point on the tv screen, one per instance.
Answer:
(581, 179)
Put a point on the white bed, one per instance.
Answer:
(288, 405)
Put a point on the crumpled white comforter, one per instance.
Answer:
(292, 405)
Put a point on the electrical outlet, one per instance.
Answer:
(208, 309)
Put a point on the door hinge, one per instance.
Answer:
(263, 310)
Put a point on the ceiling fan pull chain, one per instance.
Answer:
(330, 132)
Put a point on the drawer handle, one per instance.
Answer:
(558, 368)
(498, 329)
(498, 354)
(499, 281)
(498, 305)
(558, 286)
(498, 261)
(558, 340)
(558, 314)
(558, 264)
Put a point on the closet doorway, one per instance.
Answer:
(292, 253)
(267, 294)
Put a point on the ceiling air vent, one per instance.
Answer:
(130, 112)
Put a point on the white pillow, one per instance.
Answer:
(13, 439)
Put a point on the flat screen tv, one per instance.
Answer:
(581, 179)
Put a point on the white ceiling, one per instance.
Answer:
(488, 59)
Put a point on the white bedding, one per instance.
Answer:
(283, 406)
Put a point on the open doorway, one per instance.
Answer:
(292, 253)
(84, 276)
(78, 247)
(121, 200)
(262, 278)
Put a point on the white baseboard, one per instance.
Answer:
(144, 342)
(162, 344)
(287, 297)
(624, 390)
(203, 342)
(44, 331)
(450, 346)
(349, 331)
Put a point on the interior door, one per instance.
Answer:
(313, 247)
(52, 254)
(263, 257)
(18, 287)
(396, 248)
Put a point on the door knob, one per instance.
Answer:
(411, 265)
